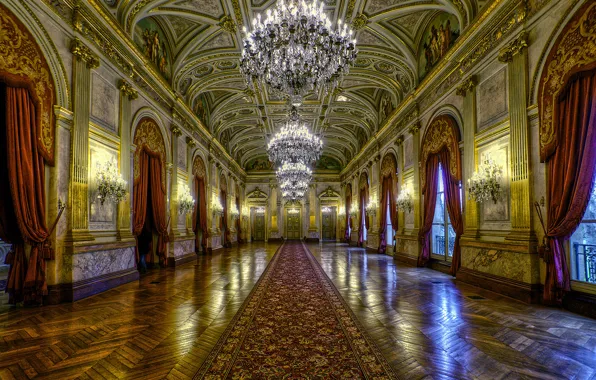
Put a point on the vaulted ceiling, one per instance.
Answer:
(202, 48)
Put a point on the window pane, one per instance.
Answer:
(583, 245)
(438, 239)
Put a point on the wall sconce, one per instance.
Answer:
(186, 202)
(110, 184)
(404, 200)
(293, 211)
(216, 206)
(485, 184)
(341, 212)
(245, 212)
(234, 213)
(371, 207)
(354, 209)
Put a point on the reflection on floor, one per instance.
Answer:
(165, 325)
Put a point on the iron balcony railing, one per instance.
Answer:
(585, 261)
(439, 248)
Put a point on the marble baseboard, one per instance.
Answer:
(581, 303)
(81, 289)
(501, 262)
(180, 260)
(89, 265)
(183, 247)
(522, 291)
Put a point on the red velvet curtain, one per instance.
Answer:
(22, 209)
(200, 216)
(430, 201)
(148, 188)
(452, 201)
(363, 216)
(571, 172)
(348, 218)
(387, 196)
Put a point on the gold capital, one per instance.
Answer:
(79, 50)
(127, 89)
(514, 47)
(467, 86)
(414, 128)
(190, 141)
(399, 141)
(176, 130)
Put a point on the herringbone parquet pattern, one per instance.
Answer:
(425, 324)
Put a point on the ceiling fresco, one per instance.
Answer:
(196, 44)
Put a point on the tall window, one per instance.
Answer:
(443, 235)
(583, 245)
(389, 229)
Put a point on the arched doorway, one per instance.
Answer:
(388, 212)
(150, 226)
(567, 109)
(440, 176)
(223, 198)
(27, 97)
(348, 206)
(363, 199)
(199, 216)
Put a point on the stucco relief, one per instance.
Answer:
(492, 102)
(498, 262)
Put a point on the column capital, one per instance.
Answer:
(415, 128)
(514, 47)
(127, 90)
(399, 140)
(176, 130)
(81, 51)
(190, 142)
(467, 85)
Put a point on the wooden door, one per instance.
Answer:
(259, 227)
(329, 225)
(293, 226)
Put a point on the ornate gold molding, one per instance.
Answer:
(468, 85)
(190, 142)
(81, 51)
(176, 130)
(399, 141)
(514, 47)
(127, 89)
(359, 22)
(442, 133)
(227, 24)
(415, 128)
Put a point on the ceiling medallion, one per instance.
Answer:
(294, 142)
(295, 50)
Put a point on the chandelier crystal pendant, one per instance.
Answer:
(294, 178)
(294, 142)
(295, 50)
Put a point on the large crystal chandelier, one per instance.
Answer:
(294, 179)
(296, 50)
(294, 143)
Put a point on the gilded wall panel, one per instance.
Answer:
(492, 102)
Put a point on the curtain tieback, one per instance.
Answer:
(544, 251)
(46, 251)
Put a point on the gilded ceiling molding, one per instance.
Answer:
(81, 51)
(514, 47)
(468, 85)
(23, 64)
(227, 24)
(237, 13)
(127, 90)
(573, 51)
(134, 12)
(359, 22)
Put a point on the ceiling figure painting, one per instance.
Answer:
(437, 39)
(151, 39)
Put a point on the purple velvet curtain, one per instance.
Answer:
(348, 217)
(571, 172)
(363, 218)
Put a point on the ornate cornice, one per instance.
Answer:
(127, 90)
(468, 85)
(514, 47)
(82, 52)
(227, 24)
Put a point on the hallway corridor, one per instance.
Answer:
(423, 322)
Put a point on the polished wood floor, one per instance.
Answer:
(426, 325)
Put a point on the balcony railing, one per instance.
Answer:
(585, 261)
(439, 248)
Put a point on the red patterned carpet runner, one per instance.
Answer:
(293, 325)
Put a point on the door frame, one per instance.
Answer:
(286, 211)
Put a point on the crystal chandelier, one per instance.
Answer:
(295, 50)
(294, 143)
(294, 178)
(485, 184)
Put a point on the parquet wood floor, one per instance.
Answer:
(164, 325)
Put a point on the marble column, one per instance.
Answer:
(127, 94)
(468, 90)
(174, 230)
(84, 60)
(516, 57)
(190, 147)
